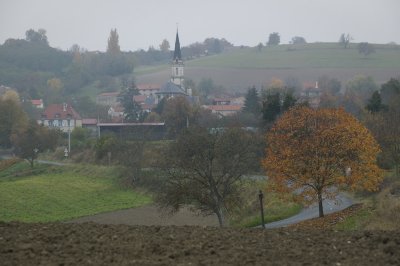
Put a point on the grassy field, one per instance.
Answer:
(318, 55)
(237, 69)
(61, 193)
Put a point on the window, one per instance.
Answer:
(177, 71)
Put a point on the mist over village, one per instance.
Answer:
(207, 133)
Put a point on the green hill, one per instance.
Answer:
(242, 67)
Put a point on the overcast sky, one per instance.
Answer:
(141, 23)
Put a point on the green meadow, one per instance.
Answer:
(57, 193)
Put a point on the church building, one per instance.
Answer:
(175, 87)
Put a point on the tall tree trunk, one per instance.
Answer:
(321, 207)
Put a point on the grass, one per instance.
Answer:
(143, 70)
(358, 220)
(275, 207)
(50, 193)
(316, 55)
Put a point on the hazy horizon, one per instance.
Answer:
(141, 24)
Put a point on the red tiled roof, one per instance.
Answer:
(37, 102)
(105, 94)
(222, 100)
(139, 98)
(89, 121)
(59, 112)
(148, 86)
(224, 107)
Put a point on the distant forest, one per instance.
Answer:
(37, 70)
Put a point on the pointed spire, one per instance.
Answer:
(177, 52)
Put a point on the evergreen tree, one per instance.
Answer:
(113, 43)
(252, 102)
(288, 101)
(132, 110)
(271, 107)
(375, 103)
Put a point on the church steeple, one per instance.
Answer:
(177, 51)
(177, 67)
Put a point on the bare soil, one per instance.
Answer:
(150, 215)
(97, 244)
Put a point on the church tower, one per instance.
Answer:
(177, 65)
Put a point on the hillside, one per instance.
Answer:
(239, 68)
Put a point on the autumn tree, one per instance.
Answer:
(12, 118)
(33, 139)
(317, 152)
(205, 170)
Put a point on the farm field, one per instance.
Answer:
(89, 243)
(237, 69)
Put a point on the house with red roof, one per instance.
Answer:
(61, 116)
(38, 103)
(148, 89)
(108, 98)
(223, 109)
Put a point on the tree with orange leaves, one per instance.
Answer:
(316, 152)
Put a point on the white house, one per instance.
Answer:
(61, 116)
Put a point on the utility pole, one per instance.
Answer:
(260, 197)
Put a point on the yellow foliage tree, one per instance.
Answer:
(318, 152)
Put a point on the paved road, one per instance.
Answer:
(330, 206)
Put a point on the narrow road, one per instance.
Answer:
(330, 206)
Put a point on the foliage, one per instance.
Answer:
(365, 48)
(205, 169)
(361, 85)
(132, 110)
(298, 40)
(75, 191)
(12, 119)
(80, 138)
(252, 102)
(390, 91)
(271, 107)
(345, 39)
(274, 39)
(177, 114)
(385, 126)
(29, 141)
(331, 85)
(164, 46)
(37, 36)
(375, 103)
(113, 43)
(317, 152)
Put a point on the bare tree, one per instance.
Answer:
(204, 170)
